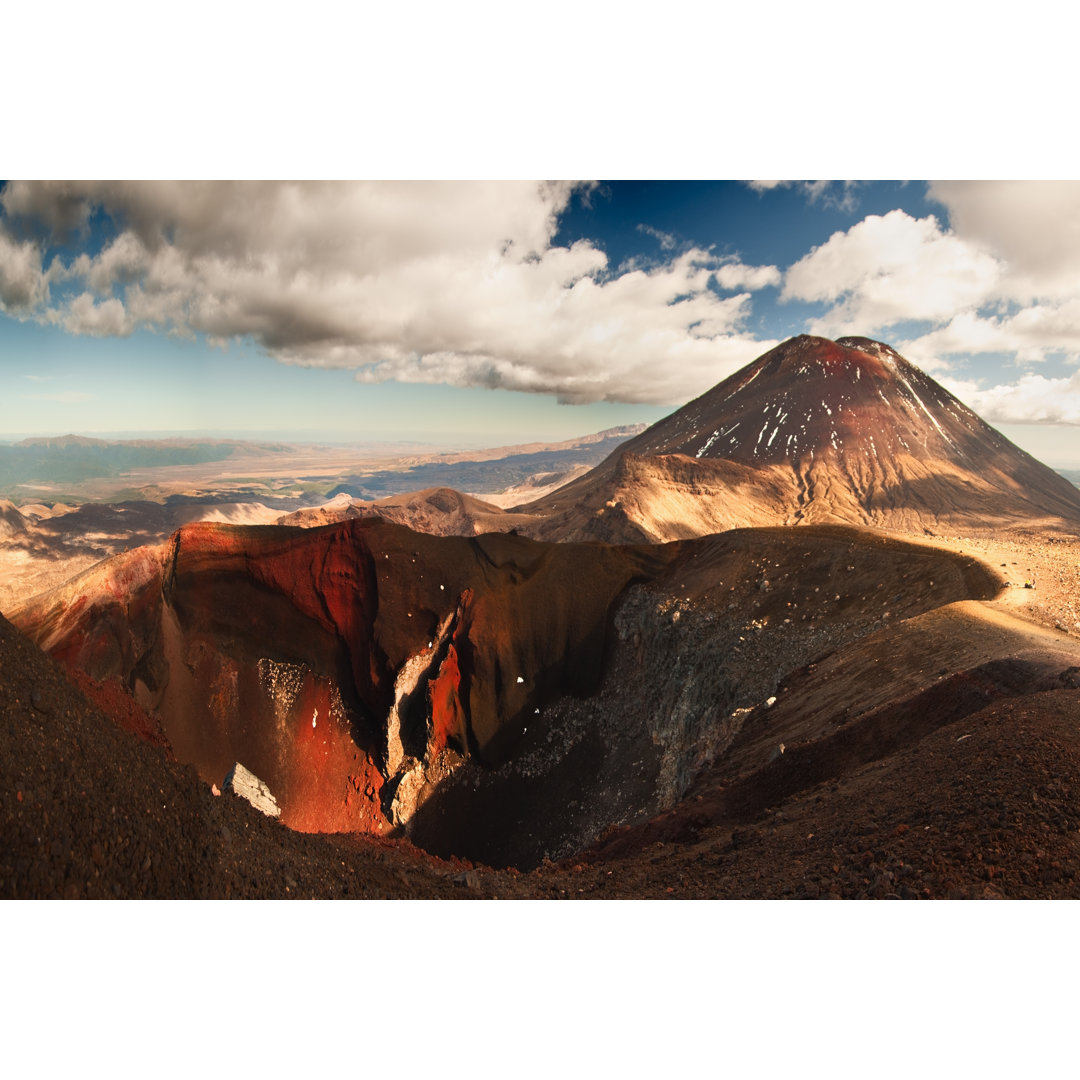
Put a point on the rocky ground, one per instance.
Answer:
(1047, 561)
(975, 792)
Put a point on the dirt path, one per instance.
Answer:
(1048, 562)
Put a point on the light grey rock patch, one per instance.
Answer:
(247, 785)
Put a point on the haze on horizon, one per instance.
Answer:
(505, 312)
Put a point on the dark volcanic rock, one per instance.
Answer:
(695, 653)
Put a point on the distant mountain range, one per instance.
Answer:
(489, 471)
(39, 467)
(73, 459)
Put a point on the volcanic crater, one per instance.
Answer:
(494, 698)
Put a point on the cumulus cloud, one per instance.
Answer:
(999, 277)
(23, 284)
(839, 194)
(463, 282)
(736, 275)
(1033, 227)
(1030, 335)
(433, 282)
(890, 269)
(997, 280)
(1033, 399)
(729, 272)
(550, 326)
(84, 315)
(61, 205)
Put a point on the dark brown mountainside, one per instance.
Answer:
(813, 431)
(916, 747)
(494, 697)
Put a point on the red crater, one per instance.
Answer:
(289, 650)
(328, 784)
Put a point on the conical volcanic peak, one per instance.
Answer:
(814, 430)
(811, 397)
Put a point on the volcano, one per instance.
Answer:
(813, 431)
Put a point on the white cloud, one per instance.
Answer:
(462, 283)
(1034, 399)
(839, 194)
(84, 316)
(1030, 335)
(736, 275)
(59, 204)
(889, 269)
(23, 284)
(998, 281)
(1033, 227)
(433, 282)
(651, 335)
(666, 240)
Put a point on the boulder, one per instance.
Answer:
(246, 784)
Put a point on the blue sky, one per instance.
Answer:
(469, 313)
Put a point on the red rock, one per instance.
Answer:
(279, 647)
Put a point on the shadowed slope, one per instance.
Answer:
(873, 706)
